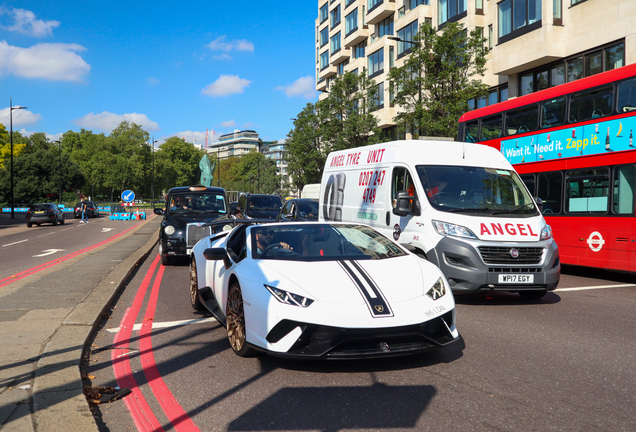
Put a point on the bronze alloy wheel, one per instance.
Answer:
(194, 287)
(236, 322)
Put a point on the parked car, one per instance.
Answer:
(91, 208)
(185, 217)
(44, 213)
(297, 209)
(320, 290)
(259, 206)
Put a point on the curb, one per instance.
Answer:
(59, 402)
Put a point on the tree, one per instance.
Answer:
(19, 147)
(177, 164)
(305, 155)
(438, 78)
(346, 115)
(256, 173)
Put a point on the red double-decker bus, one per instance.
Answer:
(573, 146)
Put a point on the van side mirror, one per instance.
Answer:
(539, 203)
(403, 206)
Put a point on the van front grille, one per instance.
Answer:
(503, 255)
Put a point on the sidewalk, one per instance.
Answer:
(45, 321)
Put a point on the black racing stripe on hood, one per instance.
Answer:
(378, 306)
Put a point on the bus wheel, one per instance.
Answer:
(533, 295)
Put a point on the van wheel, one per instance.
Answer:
(533, 294)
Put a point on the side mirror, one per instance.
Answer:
(216, 254)
(290, 216)
(403, 206)
(159, 211)
(539, 203)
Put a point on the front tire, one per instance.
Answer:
(235, 316)
(194, 287)
(55, 222)
(165, 261)
(533, 294)
(29, 224)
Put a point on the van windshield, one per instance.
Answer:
(475, 190)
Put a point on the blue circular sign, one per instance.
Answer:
(127, 196)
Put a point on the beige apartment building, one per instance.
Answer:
(533, 44)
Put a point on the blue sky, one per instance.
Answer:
(176, 68)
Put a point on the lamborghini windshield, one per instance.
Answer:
(476, 190)
(321, 242)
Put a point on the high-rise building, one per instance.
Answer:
(235, 143)
(533, 44)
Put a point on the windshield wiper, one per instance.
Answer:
(512, 210)
(470, 210)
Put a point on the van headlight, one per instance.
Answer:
(449, 229)
(169, 230)
(438, 290)
(546, 232)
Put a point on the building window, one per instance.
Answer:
(324, 13)
(373, 3)
(385, 27)
(479, 7)
(358, 50)
(379, 97)
(577, 2)
(451, 10)
(490, 36)
(406, 34)
(614, 56)
(324, 36)
(557, 17)
(335, 43)
(376, 63)
(348, 2)
(324, 60)
(341, 67)
(412, 4)
(495, 95)
(351, 22)
(335, 16)
(516, 17)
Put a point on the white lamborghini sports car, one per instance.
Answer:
(320, 290)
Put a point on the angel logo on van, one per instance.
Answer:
(509, 228)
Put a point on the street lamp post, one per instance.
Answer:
(59, 142)
(152, 148)
(11, 108)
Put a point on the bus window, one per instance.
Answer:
(472, 131)
(528, 180)
(491, 127)
(624, 185)
(587, 191)
(627, 95)
(553, 112)
(549, 187)
(520, 120)
(591, 104)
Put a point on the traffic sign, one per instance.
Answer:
(127, 196)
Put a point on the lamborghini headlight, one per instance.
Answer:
(169, 229)
(288, 298)
(438, 290)
(449, 229)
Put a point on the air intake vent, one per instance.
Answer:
(505, 255)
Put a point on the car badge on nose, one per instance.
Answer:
(514, 253)
(379, 308)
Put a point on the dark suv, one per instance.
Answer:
(44, 213)
(259, 206)
(187, 210)
(91, 210)
(299, 209)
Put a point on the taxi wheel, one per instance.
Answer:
(235, 316)
(194, 287)
(533, 295)
(165, 261)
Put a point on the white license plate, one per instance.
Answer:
(516, 278)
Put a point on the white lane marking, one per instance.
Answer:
(106, 229)
(158, 325)
(44, 235)
(48, 252)
(11, 244)
(595, 287)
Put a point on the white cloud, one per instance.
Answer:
(21, 117)
(152, 81)
(226, 85)
(53, 62)
(237, 45)
(305, 87)
(24, 22)
(106, 121)
(223, 56)
(229, 124)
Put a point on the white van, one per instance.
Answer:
(461, 206)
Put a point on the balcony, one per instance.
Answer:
(327, 72)
(381, 11)
(536, 48)
(354, 38)
(340, 56)
(321, 85)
